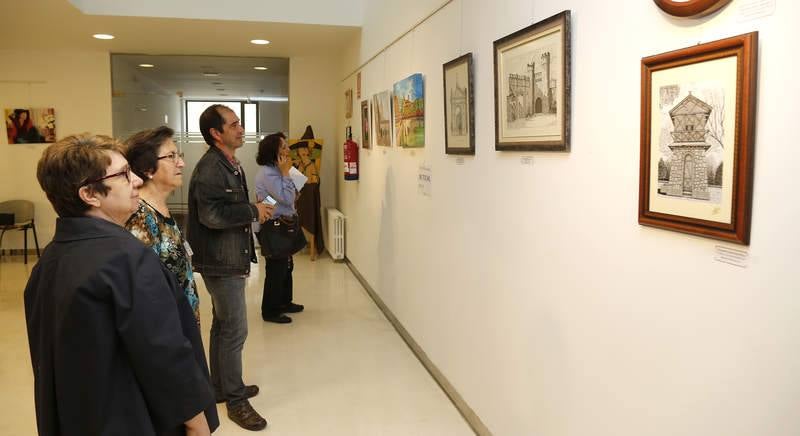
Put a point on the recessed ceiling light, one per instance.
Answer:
(103, 36)
(211, 74)
(259, 41)
(146, 65)
(260, 68)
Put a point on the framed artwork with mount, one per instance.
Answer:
(697, 130)
(532, 87)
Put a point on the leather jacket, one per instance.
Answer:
(218, 227)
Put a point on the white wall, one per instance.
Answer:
(78, 86)
(313, 100)
(338, 13)
(533, 288)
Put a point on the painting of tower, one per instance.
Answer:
(688, 172)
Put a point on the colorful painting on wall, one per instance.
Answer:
(31, 125)
(409, 112)
(382, 118)
(306, 154)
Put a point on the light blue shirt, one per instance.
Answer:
(269, 180)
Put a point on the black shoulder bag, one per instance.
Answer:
(281, 237)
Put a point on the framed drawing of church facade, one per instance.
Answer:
(532, 87)
(696, 145)
(459, 112)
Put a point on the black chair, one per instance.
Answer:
(23, 220)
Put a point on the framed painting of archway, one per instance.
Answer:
(459, 110)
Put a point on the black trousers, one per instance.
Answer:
(277, 285)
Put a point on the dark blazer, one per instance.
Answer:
(114, 344)
(218, 227)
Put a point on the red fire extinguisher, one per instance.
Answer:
(350, 157)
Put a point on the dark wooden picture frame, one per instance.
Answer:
(697, 130)
(690, 8)
(532, 82)
(366, 136)
(459, 108)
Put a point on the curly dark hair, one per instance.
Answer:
(268, 149)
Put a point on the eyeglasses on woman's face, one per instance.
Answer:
(173, 156)
(125, 172)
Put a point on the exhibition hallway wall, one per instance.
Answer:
(78, 84)
(525, 277)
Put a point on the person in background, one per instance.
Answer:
(273, 180)
(110, 332)
(219, 231)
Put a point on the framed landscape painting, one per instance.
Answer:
(459, 111)
(532, 87)
(409, 111)
(697, 126)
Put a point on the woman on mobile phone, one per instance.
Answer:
(273, 182)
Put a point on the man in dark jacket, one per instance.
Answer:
(219, 232)
(114, 345)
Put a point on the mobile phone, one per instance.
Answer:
(269, 201)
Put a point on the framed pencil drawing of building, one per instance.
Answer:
(459, 111)
(382, 118)
(696, 168)
(532, 87)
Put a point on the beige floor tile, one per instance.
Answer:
(338, 369)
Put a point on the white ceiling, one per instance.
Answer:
(184, 74)
(58, 25)
(327, 12)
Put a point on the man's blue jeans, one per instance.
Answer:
(228, 333)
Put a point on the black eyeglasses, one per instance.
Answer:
(125, 172)
(174, 156)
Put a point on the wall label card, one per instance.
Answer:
(731, 256)
(424, 180)
(753, 9)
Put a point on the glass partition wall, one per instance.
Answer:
(150, 91)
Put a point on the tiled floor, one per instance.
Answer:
(338, 369)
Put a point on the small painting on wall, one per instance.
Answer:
(459, 112)
(382, 117)
(30, 125)
(365, 136)
(348, 103)
(409, 112)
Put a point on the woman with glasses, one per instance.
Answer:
(114, 345)
(155, 158)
